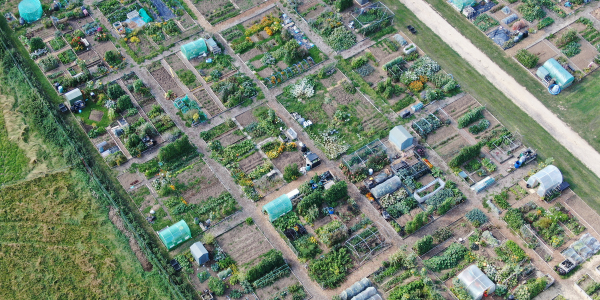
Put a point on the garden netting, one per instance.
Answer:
(355, 289)
(571, 254)
(30, 10)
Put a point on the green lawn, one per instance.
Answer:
(576, 106)
(582, 180)
(13, 161)
(85, 114)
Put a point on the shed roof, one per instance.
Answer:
(211, 43)
(548, 178)
(563, 77)
(198, 250)
(278, 207)
(175, 234)
(400, 137)
(460, 4)
(476, 282)
(74, 94)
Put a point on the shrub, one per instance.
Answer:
(545, 23)
(471, 116)
(476, 217)
(415, 86)
(514, 218)
(268, 261)
(124, 103)
(249, 221)
(451, 257)
(177, 149)
(359, 62)
(337, 191)
(423, 245)
(527, 59)
(291, 173)
(465, 154)
(216, 286)
(343, 4)
(479, 127)
(331, 270)
(36, 43)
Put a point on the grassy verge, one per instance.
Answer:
(584, 182)
(576, 106)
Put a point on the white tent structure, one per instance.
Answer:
(199, 253)
(476, 283)
(548, 178)
(366, 294)
(355, 289)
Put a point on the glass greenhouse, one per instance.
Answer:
(477, 284)
(355, 289)
(30, 10)
(175, 234)
(278, 207)
(548, 178)
(194, 49)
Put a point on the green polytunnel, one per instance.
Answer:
(461, 4)
(30, 10)
(562, 77)
(144, 15)
(278, 207)
(194, 49)
(175, 234)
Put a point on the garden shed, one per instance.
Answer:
(194, 49)
(389, 186)
(355, 289)
(477, 284)
(400, 137)
(461, 4)
(212, 46)
(278, 207)
(175, 234)
(562, 77)
(199, 253)
(30, 10)
(74, 96)
(548, 178)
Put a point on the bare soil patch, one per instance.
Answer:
(251, 162)
(244, 243)
(96, 115)
(333, 79)
(543, 51)
(250, 54)
(165, 81)
(596, 13)
(118, 222)
(460, 106)
(102, 48)
(278, 286)
(88, 56)
(207, 102)
(329, 109)
(201, 183)
(246, 118)
(231, 138)
(586, 57)
(265, 73)
(441, 135)
(341, 96)
(452, 147)
(128, 180)
(372, 119)
(287, 158)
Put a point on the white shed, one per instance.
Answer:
(548, 178)
(199, 253)
(400, 137)
(476, 283)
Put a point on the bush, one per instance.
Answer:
(479, 127)
(177, 149)
(249, 221)
(291, 173)
(359, 62)
(36, 43)
(465, 154)
(471, 116)
(124, 103)
(216, 286)
(527, 59)
(268, 261)
(343, 4)
(423, 245)
(331, 270)
(208, 238)
(476, 217)
(545, 23)
(338, 191)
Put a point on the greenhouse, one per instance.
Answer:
(562, 77)
(478, 285)
(355, 289)
(278, 207)
(389, 186)
(548, 178)
(367, 294)
(400, 137)
(194, 49)
(483, 184)
(30, 10)
(175, 234)
(461, 4)
(582, 249)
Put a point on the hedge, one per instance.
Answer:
(268, 262)
(471, 116)
(465, 154)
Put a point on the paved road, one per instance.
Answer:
(508, 85)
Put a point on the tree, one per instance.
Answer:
(423, 245)
(138, 85)
(291, 173)
(36, 43)
(216, 286)
(124, 103)
(343, 4)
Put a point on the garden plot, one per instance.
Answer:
(330, 26)
(452, 146)
(246, 118)
(588, 286)
(231, 138)
(441, 136)
(198, 182)
(245, 244)
(186, 76)
(216, 11)
(141, 47)
(461, 106)
(244, 5)
(157, 115)
(145, 202)
(264, 123)
(207, 102)
(386, 49)
(166, 82)
(251, 162)
(186, 21)
(586, 57)
(138, 89)
(236, 90)
(287, 158)
(543, 51)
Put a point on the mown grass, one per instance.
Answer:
(584, 182)
(13, 161)
(576, 106)
(56, 243)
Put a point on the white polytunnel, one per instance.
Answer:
(548, 178)
(355, 289)
(476, 282)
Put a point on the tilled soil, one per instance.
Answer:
(207, 102)
(251, 162)
(287, 158)
(165, 81)
(244, 243)
(459, 107)
(231, 138)
(246, 118)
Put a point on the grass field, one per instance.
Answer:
(56, 241)
(582, 180)
(577, 105)
(13, 161)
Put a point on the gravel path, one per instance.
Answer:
(508, 85)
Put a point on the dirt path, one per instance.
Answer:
(118, 222)
(508, 85)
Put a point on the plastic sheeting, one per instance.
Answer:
(355, 289)
(542, 72)
(499, 36)
(30, 10)
(548, 178)
(584, 248)
(476, 282)
(483, 184)
(510, 19)
(389, 186)
(175, 234)
(562, 77)
(571, 254)
(278, 207)
(366, 294)
(461, 4)
(400, 40)
(194, 49)
(375, 297)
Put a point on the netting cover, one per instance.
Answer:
(591, 242)
(490, 239)
(355, 289)
(366, 294)
(460, 4)
(278, 207)
(400, 40)
(548, 178)
(563, 77)
(30, 10)
(483, 184)
(375, 297)
(175, 234)
(476, 282)
(400, 137)
(571, 254)
(194, 49)
(389, 186)
(510, 19)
